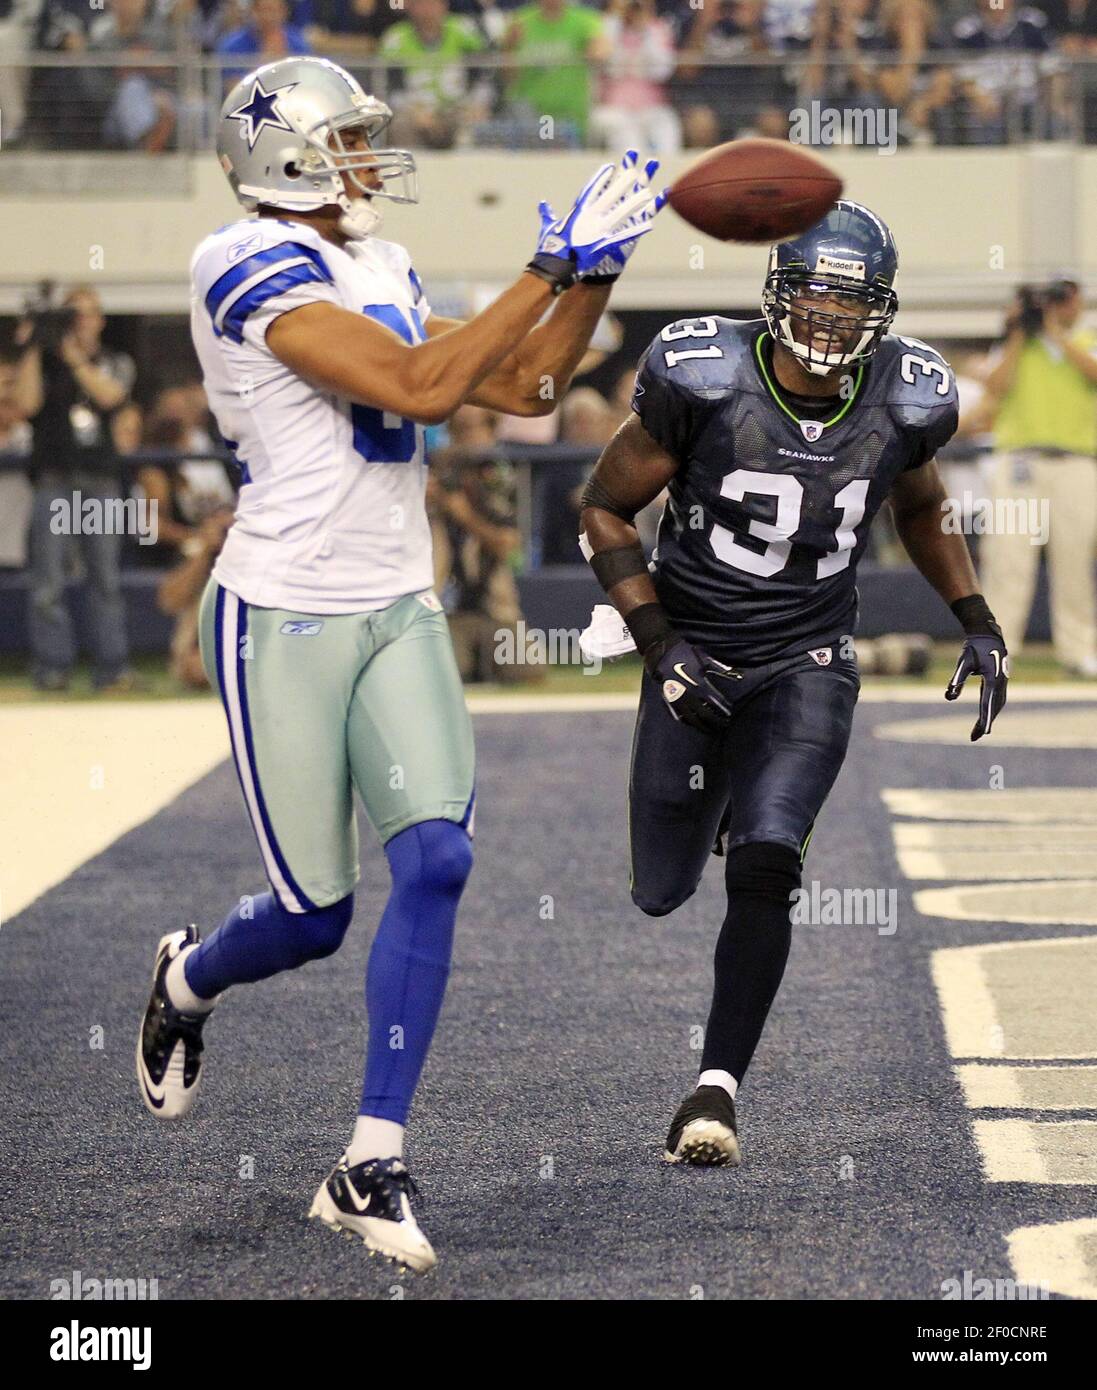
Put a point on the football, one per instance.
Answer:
(755, 190)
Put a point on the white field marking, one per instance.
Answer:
(962, 850)
(1060, 1152)
(1028, 1088)
(52, 819)
(1020, 805)
(962, 836)
(1010, 1151)
(991, 1088)
(908, 693)
(1073, 728)
(1062, 1255)
(967, 1005)
(996, 862)
(1038, 902)
(493, 702)
(977, 1020)
(926, 693)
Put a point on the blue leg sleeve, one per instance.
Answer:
(264, 942)
(409, 962)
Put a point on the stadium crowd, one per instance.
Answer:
(80, 425)
(520, 73)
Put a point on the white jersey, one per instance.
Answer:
(330, 517)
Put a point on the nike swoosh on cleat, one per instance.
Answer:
(157, 1102)
(356, 1202)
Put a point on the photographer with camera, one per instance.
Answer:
(73, 460)
(1043, 391)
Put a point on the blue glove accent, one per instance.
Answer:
(613, 211)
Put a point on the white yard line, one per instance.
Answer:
(907, 693)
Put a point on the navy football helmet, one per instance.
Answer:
(829, 294)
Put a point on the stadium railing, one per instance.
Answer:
(533, 464)
(69, 98)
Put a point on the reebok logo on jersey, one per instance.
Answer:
(821, 656)
(243, 248)
(298, 627)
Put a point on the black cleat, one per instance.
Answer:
(169, 1045)
(372, 1200)
(703, 1131)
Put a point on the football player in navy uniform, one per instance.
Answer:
(777, 440)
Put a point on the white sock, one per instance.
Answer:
(375, 1138)
(179, 992)
(715, 1077)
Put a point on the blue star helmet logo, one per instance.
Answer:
(261, 109)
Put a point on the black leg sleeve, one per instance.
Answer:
(750, 953)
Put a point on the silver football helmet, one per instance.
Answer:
(281, 142)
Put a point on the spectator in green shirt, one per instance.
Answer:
(556, 46)
(1043, 487)
(434, 93)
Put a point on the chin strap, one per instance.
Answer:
(360, 218)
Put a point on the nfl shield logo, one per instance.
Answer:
(821, 656)
(811, 430)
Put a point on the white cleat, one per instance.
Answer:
(372, 1200)
(169, 1043)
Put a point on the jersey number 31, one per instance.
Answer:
(789, 492)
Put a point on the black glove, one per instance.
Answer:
(984, 653)
(695, 685)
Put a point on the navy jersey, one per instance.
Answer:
(768, 515)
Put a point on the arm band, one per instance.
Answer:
(595, 495)
(975, 617)
(648, 624)
(622, 562)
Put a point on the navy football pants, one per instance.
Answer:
(764, 781)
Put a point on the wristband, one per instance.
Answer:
(648, 625)
(974, 616)
(557, 271)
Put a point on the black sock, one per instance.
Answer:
(750, 953)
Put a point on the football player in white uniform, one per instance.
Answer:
(323, 363)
